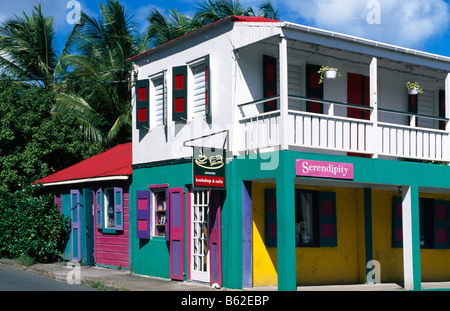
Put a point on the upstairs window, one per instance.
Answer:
(158, 105)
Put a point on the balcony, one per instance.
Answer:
(295, 128)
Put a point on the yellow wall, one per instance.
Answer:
(324, 265)
(345, 263)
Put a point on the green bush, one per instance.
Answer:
(32, 226)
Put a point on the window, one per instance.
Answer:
(305, 225)
(110, 221)
(159, 212)
(434, 223)
(199, 89)
(158, 107)
(109, 208)
(315, 218)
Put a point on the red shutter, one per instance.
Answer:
(441, 224)
(327, 219)
(179, 101)
(313, 88)
(142, 104)
(270, 81)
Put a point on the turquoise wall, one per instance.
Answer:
(151, 257)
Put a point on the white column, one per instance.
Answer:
(376, 138)
(446, 146)
(284, 127)
(411, 237)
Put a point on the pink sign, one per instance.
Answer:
(324, 169)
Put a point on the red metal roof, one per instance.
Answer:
(113, 162)
(233, 18)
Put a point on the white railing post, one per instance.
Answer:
(376, 132)
(446, 153)
(284, 126)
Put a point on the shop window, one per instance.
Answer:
(159, 208)
(305, 220)
(315, 218)
(109, 209)
(434, 222)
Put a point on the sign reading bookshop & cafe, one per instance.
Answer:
(209, 167)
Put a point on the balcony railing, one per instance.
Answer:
(329, 131)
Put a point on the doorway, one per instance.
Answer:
(200, 256)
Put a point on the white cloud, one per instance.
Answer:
(402, 22)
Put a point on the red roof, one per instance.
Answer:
(113, 162)
(233, 18)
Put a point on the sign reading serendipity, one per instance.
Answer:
(323, 169)
(209, 167)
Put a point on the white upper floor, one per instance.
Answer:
(209, 87)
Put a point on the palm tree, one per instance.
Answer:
(162, 29)
(99, 92)
(27, 48)
(267, 10)
(211, 11)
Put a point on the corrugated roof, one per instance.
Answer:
(113, 162)
(233, 18)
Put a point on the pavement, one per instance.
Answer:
(108, 279)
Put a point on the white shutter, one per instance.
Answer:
(198, 73)
(426, 107)
(158, 113)
(295, 86)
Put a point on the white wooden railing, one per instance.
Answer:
(329, 131)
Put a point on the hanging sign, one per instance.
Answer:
(324, 169)
(209, 167)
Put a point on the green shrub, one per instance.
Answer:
(31, 226)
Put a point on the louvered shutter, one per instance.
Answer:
(159, 114)
(142, 104)
(327, 219)
(118, 208)
(314, 89)
(397, 227)
(271, 218)
(201, 94)
(143, 214)
(179, 98)
(442, 124)
(99, 208)
(441, 224)
(270, 82)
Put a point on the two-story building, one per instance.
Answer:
(326, 181)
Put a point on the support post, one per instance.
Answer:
(411, 237)
(446, 154)
(376, 138)
(286, 259)
(368, 230)
(284, 130)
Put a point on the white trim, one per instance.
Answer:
(85, 180)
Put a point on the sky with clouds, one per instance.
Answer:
(418, 24)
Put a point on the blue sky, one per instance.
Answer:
(417, 24)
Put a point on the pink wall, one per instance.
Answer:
(113, 249)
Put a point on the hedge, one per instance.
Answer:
(32, 226)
